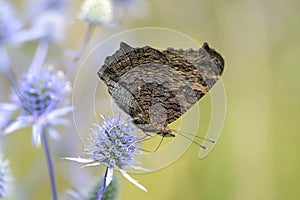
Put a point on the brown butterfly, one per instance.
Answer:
(157, 87)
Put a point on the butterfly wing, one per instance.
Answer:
(127, 58)
(207, 61)
(158, 87)
(119, 74)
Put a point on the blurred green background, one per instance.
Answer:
(256, 156)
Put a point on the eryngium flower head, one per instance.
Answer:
(42, 98)
(9, 24)
(37, 8)
(5, 177)
(51, 26)
(97, 12)
(41, 91)
(114, 144)
(135, 8)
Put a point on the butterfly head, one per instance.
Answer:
(165, 132)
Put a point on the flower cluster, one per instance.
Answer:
(113, 145)
(41, 91)
(42, 97)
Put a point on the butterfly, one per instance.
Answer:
(157, 87)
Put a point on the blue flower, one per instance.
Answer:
(6, 114)
(110, 146)
(135, 8)
(50, 26)
(114, 144)
(42, 98)
(9, 24)
(5, 177)
(48, 21)
(39, 7)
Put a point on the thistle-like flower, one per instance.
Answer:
(39, 7)
(48, 22)
(9, 24)
(115, 148)
(97, 12)
(41, 98)
(114, 144)
(50, 26)
(5, 177)
(135, 8)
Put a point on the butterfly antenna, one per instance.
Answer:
(185, 133)
(189, 139)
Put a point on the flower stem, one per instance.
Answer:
(103, 186)
(27, 35)
(40, 55)
(78, 54)
(50, 164)
(5, 65)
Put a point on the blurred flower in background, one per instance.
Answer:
(47, 21)
(9, 24)
(51, 26)
(42, 98)
(6, 114)
(110, 12)
(37, 7)
(5, 178)
(135, 8)
(10, 28)
(96, 12)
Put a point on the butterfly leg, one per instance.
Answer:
(148, 137)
